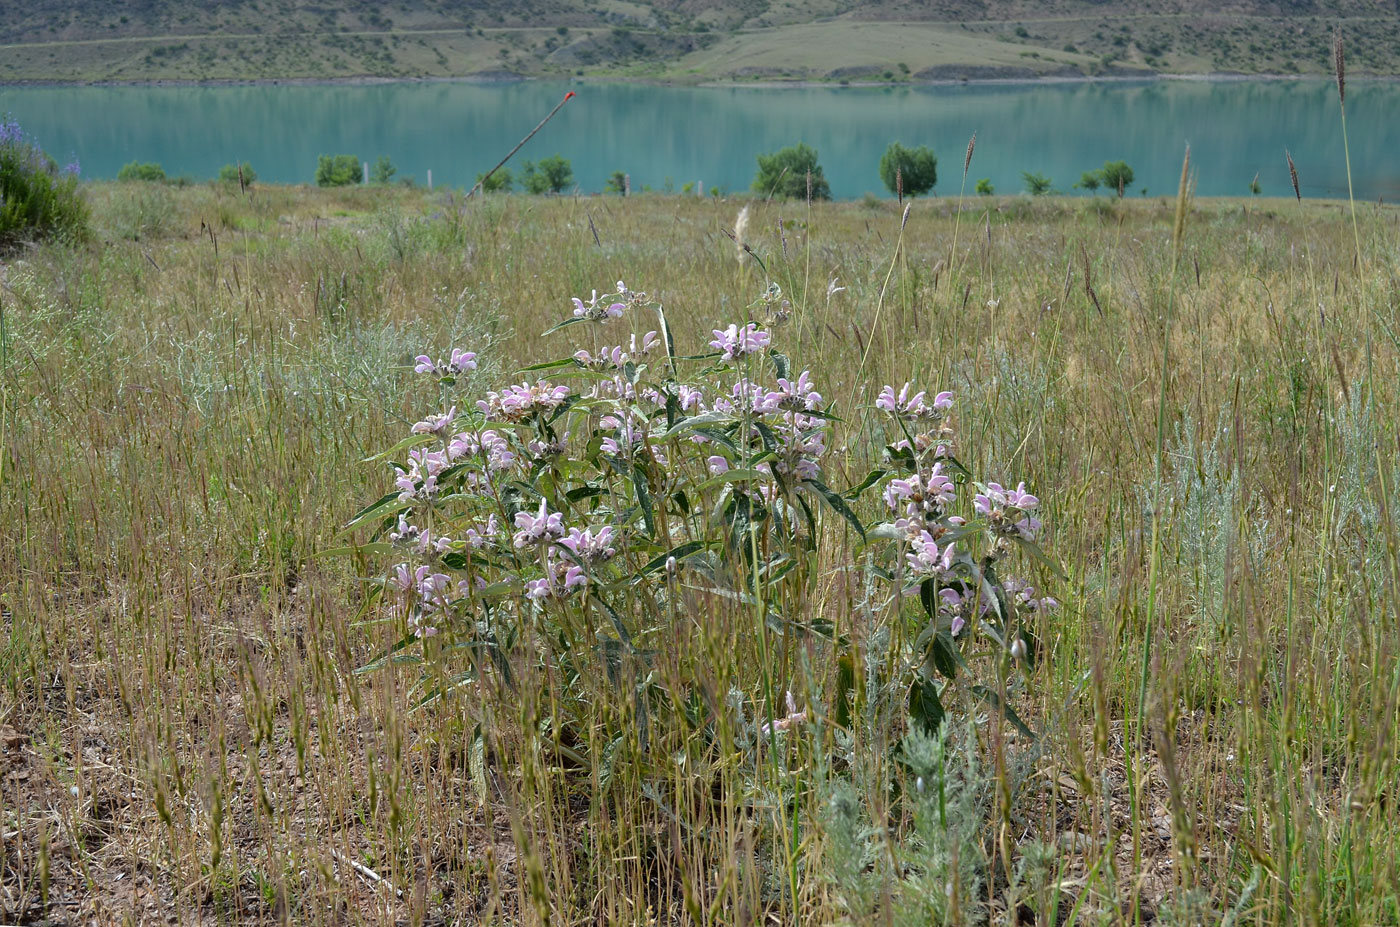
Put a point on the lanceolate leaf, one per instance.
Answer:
(1006, 711)
(838, 504)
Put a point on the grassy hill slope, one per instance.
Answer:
(692, 40)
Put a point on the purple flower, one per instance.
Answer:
(913, 407)
(461, 361)
(799, 395)
(919, 495)
(535, 529)
(435, 424)
(596, 312)
(515, 403)
(735, 342)
(590, 547)
(925, 557)
(424, 364)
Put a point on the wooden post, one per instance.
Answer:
(364, 165)
(626, 184)
(430, 179)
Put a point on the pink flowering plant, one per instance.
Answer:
(612, 493)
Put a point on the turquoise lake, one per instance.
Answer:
(711, 135)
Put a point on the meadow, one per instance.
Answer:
(210, 712)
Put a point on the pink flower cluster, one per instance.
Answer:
(735, 342)
(456, 365)
(597, 310)
(1000, 507)
(615, 357)
(537, 529)
(913, 408)
(519, 402)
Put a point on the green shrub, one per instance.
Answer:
(1117, 176)
(908, 171)
(383, 170)
(551, 175)
(617, 183)
(499, 182)
(985, 188)
(338, 170)
(228, 174)
(784, 174)
(148, 171)
(1037, 184)
(37, 198)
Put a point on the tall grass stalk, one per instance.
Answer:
(1339, 62)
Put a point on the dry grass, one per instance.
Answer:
(185, 419)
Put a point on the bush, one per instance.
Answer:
(985, 188)
(908, 171)
(652, 486)
(1117, 176)
(784, 174)
(616, 183)
(228, 174)
(1037, 184)
(551, 175)
(1091, 181)
(38, 200)
(338, 170)
(499, 182)
(148, 171)
(383, 170)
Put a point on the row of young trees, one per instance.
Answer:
(789, 173)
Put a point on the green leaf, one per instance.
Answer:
(1006, 711)
(564, 324)
(1039, 556)
(925, 707)
(383, 506)
(549, 365)
(680, 553)
(871, 478)
(387, 657)
(639, 483)
(735, 476)
(405, 444)
(943, 652)
(688, 424)
(667, 340)
(838, 504)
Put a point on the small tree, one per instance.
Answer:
(784, 174)
(1091, 181)
(1037, 184)
(499, 182)
(551, 175)
(1116, 176)
(338, 170)
(228, 174)
(908, 171)
(616, 183)
(148, 171)
(383, 170)
(985, 188)
(1254, 187)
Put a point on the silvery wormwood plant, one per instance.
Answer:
(619, 491)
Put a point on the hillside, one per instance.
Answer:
(685, 40)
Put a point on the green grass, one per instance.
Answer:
(186, 414)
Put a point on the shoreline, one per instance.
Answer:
(506, 77)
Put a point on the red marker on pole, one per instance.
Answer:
(486, 176)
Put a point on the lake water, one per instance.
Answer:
(711, 135)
